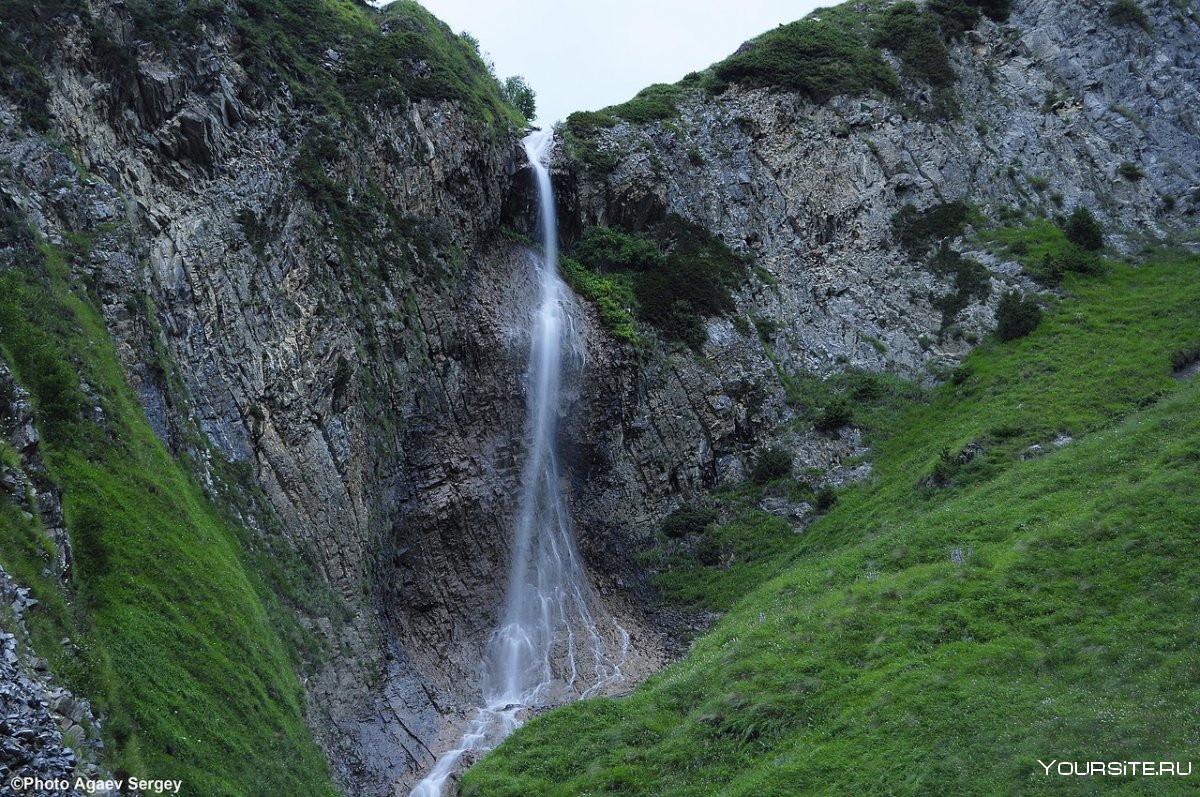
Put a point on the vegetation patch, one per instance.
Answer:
(915, 37)
(688, 521)
(1048, 251)
(27, 39)
(819, 57)
(970, 281)
(380, 57)
(864, 399)
(610, 293)
(678, 273)
(654, 103)
(1130, 171)
(956, 17)
(917, 230)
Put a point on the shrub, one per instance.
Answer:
(694, 281)
(826, 499)
(970, 279)
(1067, 259)
(583, 123)
(608, 249)
(611, 295)
(688, 520)
(711, 550)
(1016, 316)
(651, 104)
(916, 230)
(817, 58)
(1130, 171)
(673, 281)
(1182, 358)
(913, 36)
(955, 17)
(1128, 12)
(1084, 231)
(834, 415)
(774, 463)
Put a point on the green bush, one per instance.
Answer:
(1128, 12)
(914, 37)
(1065, 260)
(916, 230)
(970, 279)
(834, 415)
(695, 281)
(1016, 316)
(1130, 171)
(1184, 357)
(1083, 230)
(687, 521)
(677, 277)
(817, 58)
(608, 249)
(653, 103)
(583, 123)
(711, 550)
(611, 294)
(772, 464)
(956, 17)
(826, 499)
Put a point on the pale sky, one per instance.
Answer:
(581, 56)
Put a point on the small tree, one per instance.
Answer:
(1016, 316)
(520, 96)
(1084, 231)
(772, 464)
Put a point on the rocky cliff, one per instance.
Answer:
(1056, 107)
(302, 249)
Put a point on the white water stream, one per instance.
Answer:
(547, 647)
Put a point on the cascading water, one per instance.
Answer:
(547, 647)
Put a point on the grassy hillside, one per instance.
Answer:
(179, 620)
(941, 640)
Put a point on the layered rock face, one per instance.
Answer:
(369, 374)
(1050, 105)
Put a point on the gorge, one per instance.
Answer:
(315, 477)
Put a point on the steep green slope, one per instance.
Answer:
(937, 640)
(187, 651)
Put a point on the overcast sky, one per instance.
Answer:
(580, 56)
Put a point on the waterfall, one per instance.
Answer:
(547, 647)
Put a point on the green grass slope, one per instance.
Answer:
(924, 640)
(187, 652)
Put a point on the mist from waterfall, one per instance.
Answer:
(547, 647)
